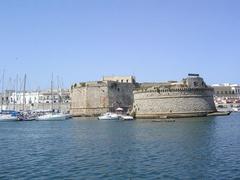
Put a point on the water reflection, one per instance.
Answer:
(203, 148)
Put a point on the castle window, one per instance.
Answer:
(195, 84)
(127, 80)
(226, 92)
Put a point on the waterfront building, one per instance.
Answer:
(30, 97)
(36, 100)
(35, 97)
(226, 93)
(6, 97)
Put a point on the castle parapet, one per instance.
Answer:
(187, 98)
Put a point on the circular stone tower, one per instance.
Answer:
(190, 97)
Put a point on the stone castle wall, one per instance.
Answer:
(120, 95)
(89, 99)
(181, 102)
(187, 98)
(93, 99)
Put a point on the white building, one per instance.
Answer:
(36, 97)
(227, 93)
(30, 98)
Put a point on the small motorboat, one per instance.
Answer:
(122, 115)
(236, 109)
(109, 116)
(126, 117)
(53, 117)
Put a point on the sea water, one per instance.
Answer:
(86, 148)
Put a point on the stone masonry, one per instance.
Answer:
(95, 98)
(187, 98)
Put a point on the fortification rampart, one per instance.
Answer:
(95, 98)
(191, 97)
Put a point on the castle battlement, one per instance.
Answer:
(186, 98)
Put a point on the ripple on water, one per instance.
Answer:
(203, 148)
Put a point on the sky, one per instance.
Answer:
(154, 40)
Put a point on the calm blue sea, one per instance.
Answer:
(199, 148)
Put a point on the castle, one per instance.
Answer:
(95, 98)
(188, 98)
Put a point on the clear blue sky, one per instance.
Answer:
(155, 40)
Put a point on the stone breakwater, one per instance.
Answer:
(189, 98)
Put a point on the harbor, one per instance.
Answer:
(190, 97)
(119, 90)
(86, 148)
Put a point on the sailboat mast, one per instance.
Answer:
(2, 97)
(16, 90)
(52, 93)
(59, 94)
(24, 91)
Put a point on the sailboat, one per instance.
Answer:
(25, 115)
(53, 116)
(6, 115)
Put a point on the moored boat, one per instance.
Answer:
(236, 109)
(53, 117)
(8, 117)
(126, 117)
(109, 116)
(119, 115)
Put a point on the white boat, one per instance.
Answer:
(53, 117)
(8, 117)
(109, 116)
(236, 109)
(122, 116)
(126, 117)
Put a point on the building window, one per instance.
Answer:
(122, 81)
(195, 84)
(226, 92)
(127, 80)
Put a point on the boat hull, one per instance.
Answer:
(53, 117)
(8, 118)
